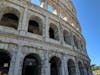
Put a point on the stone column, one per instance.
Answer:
(45, 4)
(46, 28)
(23, 25)
(18, 64)
(77, 67)
(72, 40)
(46, 64)
(12, 63)
(62, 68)
(20, 21)
(24, 21)
(61, 38)
(65, 66)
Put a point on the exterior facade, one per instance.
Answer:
(41, 39)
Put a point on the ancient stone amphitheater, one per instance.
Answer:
(41, 38)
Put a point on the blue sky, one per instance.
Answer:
(88, 12)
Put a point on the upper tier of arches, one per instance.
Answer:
(62, 8)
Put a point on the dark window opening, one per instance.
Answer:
(51, 33)
(33, 27)
(71, 67)
(31, 66)
(9, 20)
(55, 66)
(4, 63)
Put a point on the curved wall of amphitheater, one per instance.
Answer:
(41, 38)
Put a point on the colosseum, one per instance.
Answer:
(41, 37)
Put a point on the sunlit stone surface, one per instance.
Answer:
(41, 38)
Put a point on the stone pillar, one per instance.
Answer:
(12, 63)
(77, 67)
(46, 64)
(62, 68)
(46, 28)
(65, 66)
(45, 4)
(23, 20)
(57, 9)
(18, 64)
(72, 40)
(61, 38)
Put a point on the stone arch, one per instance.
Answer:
(35, 25)
(53, 32)
(71, 67)
(5, 59)
(52, 7)
(55, 65)
(81, 68)
(9, 17)
(67, 37)
(31, 65)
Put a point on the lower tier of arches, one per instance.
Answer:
(37, 62)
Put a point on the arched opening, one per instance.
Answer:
(67, 37)
(9, 20)
(55, 65)
(53, 32)
(71, 67)
(31, 65)
(4, 62)
(33, 27)
(81, 69)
